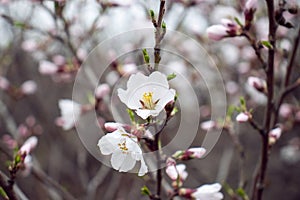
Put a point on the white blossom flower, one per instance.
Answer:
(208, 192)
(177, 171)
(125, 151)
(147, 95)
(70, 113)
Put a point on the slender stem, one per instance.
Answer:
(159, 172)
(7, 187)
(291, 62)
(159, 34)
(254, 45)
(282, 96)
(260, 176)
(288, 88)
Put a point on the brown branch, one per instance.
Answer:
(260, 176)
(292, 59)
(159, 34)
(282, 96)
(7, 187)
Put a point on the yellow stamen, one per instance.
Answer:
(123, 147)
(147, 101)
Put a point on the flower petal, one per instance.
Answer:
(109, 143)
(127, 164)
(210, 188)
(143, 113)
(143, 169)
(117, 159)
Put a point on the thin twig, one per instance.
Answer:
(255, 47)
(7, 187)
(159, 34)
(44, 178)
(258, 186)
(282, 96)
(292, 59)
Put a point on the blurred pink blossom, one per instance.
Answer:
(9, 141)
(208, 125)
(58, 60)
(29, 87)
(285, 110)
(23, 130)
(4, 83)
(102, 90)
(29, 45)
(47, 68)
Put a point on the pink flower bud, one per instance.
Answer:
(102, 90)
(29, 145)
(198, 152)
(28, 87)
(250, 8)
(228, 28)
(113, 126)
(4, 83)
(27, 166)
(216, 32)
(251, 5)
(177, 171)
(47, 68)
(208, 125)
(276, 133)
(242, 117)
(257, 83)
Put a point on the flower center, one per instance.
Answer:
(123, 147)
(147, 101)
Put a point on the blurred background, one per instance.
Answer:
(45, 43)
